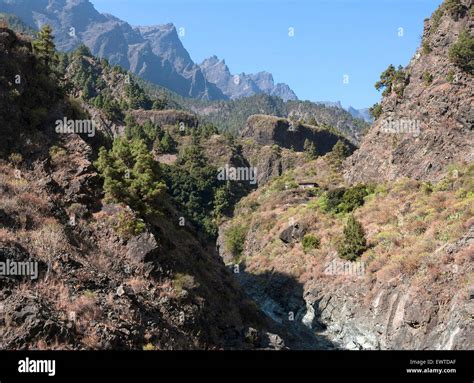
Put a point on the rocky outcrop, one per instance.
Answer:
(166, 117)
(243, 85)
(294, 233)
(107, 277)
(398, 315)
(269, 130)
(430, 125)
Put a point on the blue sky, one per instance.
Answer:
(332, 38)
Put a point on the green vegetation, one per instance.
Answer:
(184, 282)
(376, 111)
(342, 200)
(153, 136)
(193, 183)
(223, 201)
(127, 225)
(451, 76)
(131, 176)
(454, 8)
(426, 48)
(310, 150)
(393, 80)
(354, 243)
(461, 52)
(427, 78)
(339, 153)
(56, 152)
(310, 242)
(16, 159)
(44, 47)
(235, 238)
(137, 97)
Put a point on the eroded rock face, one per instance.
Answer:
(293, 233)
(269, 130)
(399, 315)
(433, 117)
(166, 117)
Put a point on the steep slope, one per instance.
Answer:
(243, 85)
(108, 276)
(427, 118)
(412, 288)
(76, 21)
(232, 115)
(273, 145)
(153, 52)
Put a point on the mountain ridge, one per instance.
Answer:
(153, 52)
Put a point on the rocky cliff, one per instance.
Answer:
(269, 130)
(428, 122)
(243, 85)
(413, 287)
(105, 276)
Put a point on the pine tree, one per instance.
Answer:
(354, 243)
(461, 52)
(339, 152)
(131, 175)
(310, 149)
(222, 201)
(44, 46)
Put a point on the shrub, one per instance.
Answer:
(353, 198)
(16, 159)
(235, 239)
(426, 49)
(461, 52)
(454, 8)
(184, 282)
(426, 188)
(376, 111)
(57, 153)
(343, 200)
(354, 243)
(128, 226)
(451, 76)
(334, 199)
(310, 242)
(427, 78)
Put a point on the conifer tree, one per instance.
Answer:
(354, 243)
(44, 46)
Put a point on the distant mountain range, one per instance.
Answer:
(361, 114)
(154, 52)
(243, 85)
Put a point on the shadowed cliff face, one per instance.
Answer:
(268, 130)
(430, 124)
